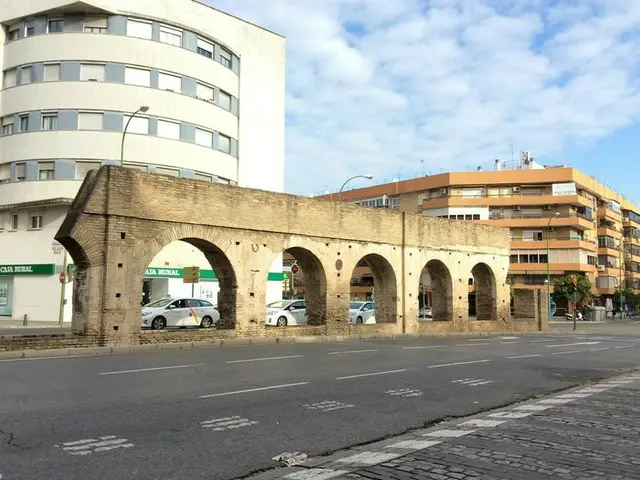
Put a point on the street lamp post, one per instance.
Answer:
(368, 177)
(548, 262)
(142, 109)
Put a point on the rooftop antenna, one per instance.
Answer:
(422, 167)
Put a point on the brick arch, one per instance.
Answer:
(486, 292)
(441, 290)
(385, 287)
(210, 242)
(315, 283)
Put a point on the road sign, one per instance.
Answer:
(63, 277)
(191, 275)
(294, 269)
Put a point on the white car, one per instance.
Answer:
(179, 312)
(286, 312)
(425, 313)
(362, 312)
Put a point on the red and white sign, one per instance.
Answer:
(63, 277)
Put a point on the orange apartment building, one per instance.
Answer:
(596, 232)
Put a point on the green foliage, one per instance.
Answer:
(564, 288)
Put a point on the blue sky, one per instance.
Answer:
(405, 87)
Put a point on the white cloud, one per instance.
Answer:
(376, 86)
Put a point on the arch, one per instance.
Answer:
(484, 281)
(441, 283)
(385, 287)
(309, 282)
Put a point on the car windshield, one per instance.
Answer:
(278, 304)
(355, 305)
(163, 302)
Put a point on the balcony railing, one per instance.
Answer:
(531, 216)
(559, 238)
(545, 193)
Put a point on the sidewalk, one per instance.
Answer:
(32, 324)
(590, 432)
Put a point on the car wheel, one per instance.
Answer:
(359, 320)
(158, 323)
(281, 322)
(206, 322)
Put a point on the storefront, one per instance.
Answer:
(22, 280)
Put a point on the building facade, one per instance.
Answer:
(74, 73)
(590, 229)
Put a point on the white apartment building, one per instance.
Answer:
(74, 72)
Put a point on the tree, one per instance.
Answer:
(629, 298)
(564, 288)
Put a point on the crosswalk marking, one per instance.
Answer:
(472, 381)
(227, 423)
(404, 392)
(91, 445)
(327, 406)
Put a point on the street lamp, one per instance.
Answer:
(143, 109)
(557, 214)
(368, 177)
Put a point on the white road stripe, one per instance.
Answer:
(525, 356)
(97, 444)
(80, 442)
(457, 363)
(509, 343)
(264, 359)
(510, 414)
(534, 408)
(624, 346)
(151, 369)
(556, 401)
(575, 395)
(599, 349)
(374, 374)
(422, 347)
(254, 390)
(352, 351)
(481, 423)
(414, 444)
(449, 433)
(316, 474)
(571, 344)
(471, 344)
(564, 353)
(369, 458)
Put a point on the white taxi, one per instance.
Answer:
(286, 312)
(362, 312)
(179, 312)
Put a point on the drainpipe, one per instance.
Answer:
(403, 275)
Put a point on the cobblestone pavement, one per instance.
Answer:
(590, 432)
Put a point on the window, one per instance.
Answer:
(204, 137)
(204, 91)
(92, 72)
(9, 78)
(5, 172)
(476, 216)
(26, 75)
(468, 216)
(170, 36)
(14, 32)
(90, 121)
(224, 100)
(35, 222)
(56, 25)
(29, 28)
(21, 169)
(201, 176)
(168, 129)
(204, 303)
(46, 171)
(137, 76)
(82, 168)
(169, 82)
(224, 143)
(13, 222)
(513, 259)
(7, 126)
(167, 171)
(52, 72)
(95, 24)
(137, 124)
(49, 121)
(205, 48)
(24, 123)
(138, 29)
(225, 57)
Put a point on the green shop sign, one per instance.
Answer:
(34, 269)
(164, 272)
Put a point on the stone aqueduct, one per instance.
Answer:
(122, 218)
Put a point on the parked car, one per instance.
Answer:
(286, 312)
(425, 312)
(362, 312)
(179, 312)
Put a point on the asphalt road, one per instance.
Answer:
(224, 413)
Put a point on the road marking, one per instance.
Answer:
(457, 363)
(448, 433)
(264, 359)
(510, 414)
(422, 347)
(471, 344)
(352, 351)
(227, 423)
(565, 353)
(374, 374)
(92, 445)
(525, 356)
(593, 390)
(599, 349)
(575, 395)
(556, 401)
(369, 458)
(327, 406)
(414, 444)
(316, 474)
(571, 344)
(404, 392)
(481, 423)
(473, 381)
(534, 408)
(254, 390)
(150, 369)
(624, 346)
(622, 382)
(509, 343)
(508, 338)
